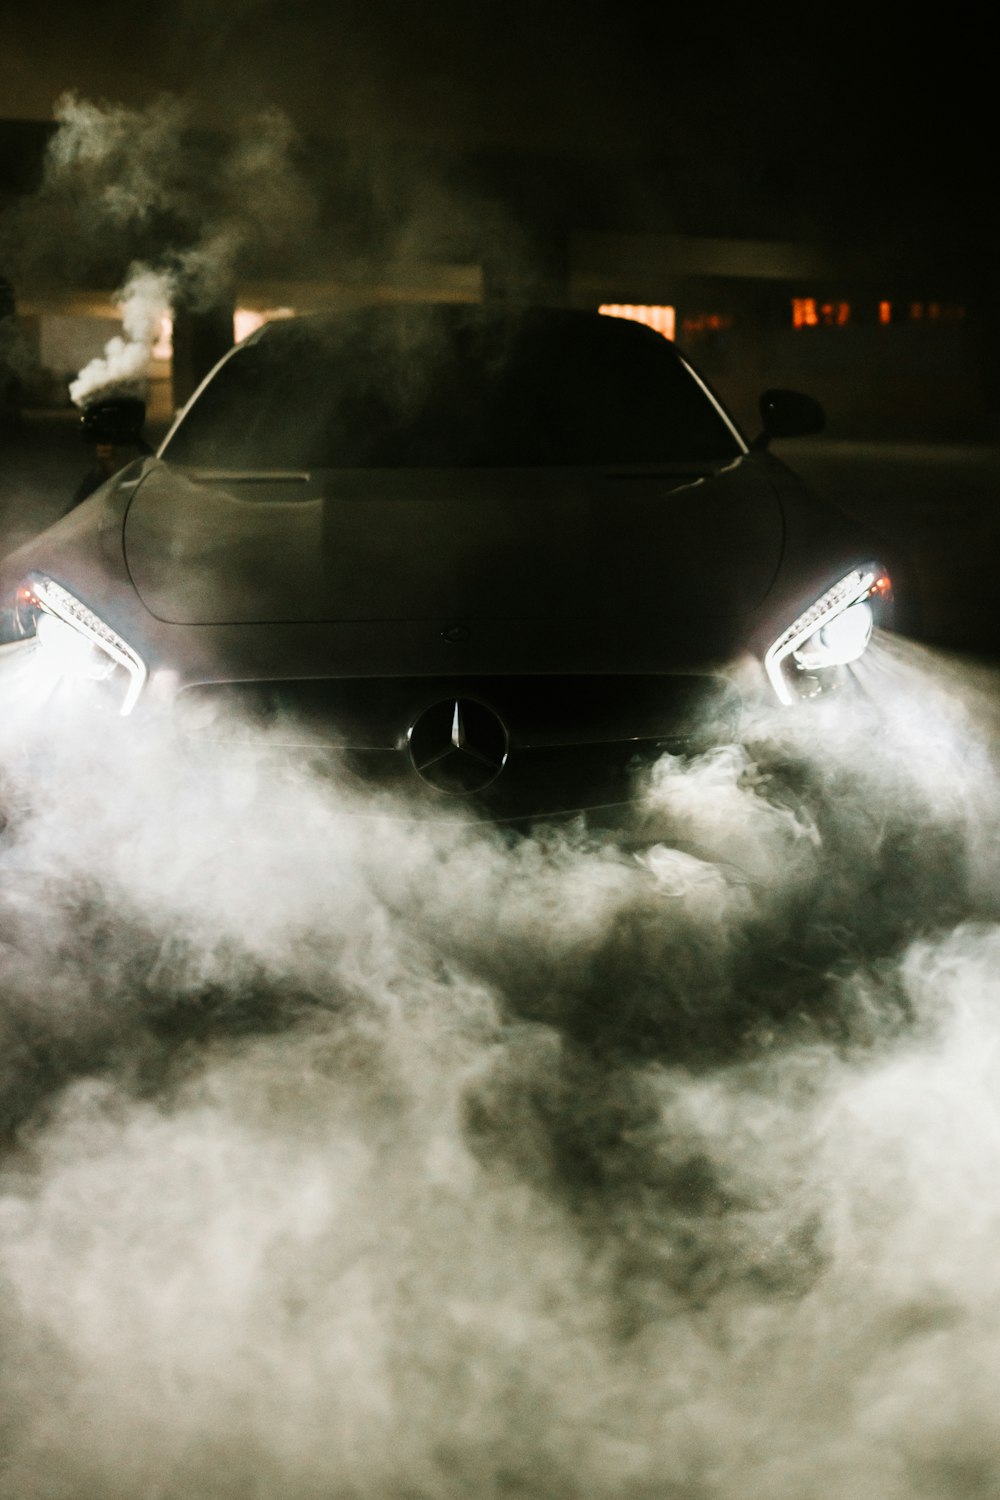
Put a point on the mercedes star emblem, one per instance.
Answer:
(458, 746)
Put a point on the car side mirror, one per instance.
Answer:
(117, 420)
(788, 414)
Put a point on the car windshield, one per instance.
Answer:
(452, 388)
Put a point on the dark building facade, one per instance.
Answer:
(895, 347)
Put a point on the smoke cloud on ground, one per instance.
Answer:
(361, 1156)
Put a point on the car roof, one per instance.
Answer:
(506, 316)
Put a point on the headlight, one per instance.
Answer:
(831, 633)
(77, 642)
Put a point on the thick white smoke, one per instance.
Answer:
(124, 366)
(359, 1156)
(191, 213)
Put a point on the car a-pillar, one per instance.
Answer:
(200, 339)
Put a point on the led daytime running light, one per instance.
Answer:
(41, 592)
(853, 588)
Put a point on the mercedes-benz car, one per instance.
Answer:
(469, 552)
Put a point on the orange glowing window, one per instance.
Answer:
(246, 320)
(663, 319)
(696, 323)
(885, 312)
(808, 313)
(163, 348)
(936, 312)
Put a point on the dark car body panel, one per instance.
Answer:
(485, 544)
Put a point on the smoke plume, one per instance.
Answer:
(353, 1154)
(144, 302)
(172, 215)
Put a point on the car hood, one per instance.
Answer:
(211, 548)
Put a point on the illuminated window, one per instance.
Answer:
(696, 323)
(936, 312)
(164, 346)
(885, 312)
(663, 319)
(246, 320)
(808, 313)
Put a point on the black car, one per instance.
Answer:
(478, 553)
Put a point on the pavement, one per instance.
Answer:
(938, 501)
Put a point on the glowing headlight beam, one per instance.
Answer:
(832, 632)
(39, 592)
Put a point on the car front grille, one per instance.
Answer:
(377, 713)
(571, 741)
